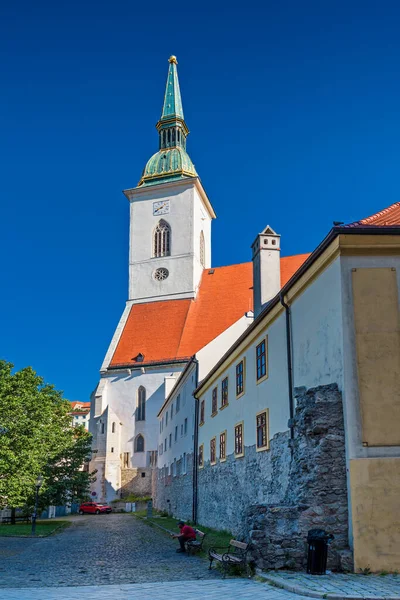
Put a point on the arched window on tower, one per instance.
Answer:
(202, 250)
(141, 404)
(162, 240)
(139, 443)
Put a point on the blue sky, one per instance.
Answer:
(293, 109)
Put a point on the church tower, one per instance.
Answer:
(170, 214)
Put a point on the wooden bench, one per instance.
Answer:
(233, 555)
(193, 546)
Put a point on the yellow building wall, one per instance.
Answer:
(375, 500)
(376, 319)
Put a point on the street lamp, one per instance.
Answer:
(38, 485)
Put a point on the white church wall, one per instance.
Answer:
(122, 398)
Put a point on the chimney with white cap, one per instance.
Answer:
(266, 268)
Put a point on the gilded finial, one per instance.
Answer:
(172, 59)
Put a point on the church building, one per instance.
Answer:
(177, 305)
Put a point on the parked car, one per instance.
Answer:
(94, 508)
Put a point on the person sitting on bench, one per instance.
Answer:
(186, 533)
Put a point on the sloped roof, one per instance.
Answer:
(169, 330)
(388, 217)
(82, 404)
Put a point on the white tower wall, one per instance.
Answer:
(187, 216)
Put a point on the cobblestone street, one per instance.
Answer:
(97, 550)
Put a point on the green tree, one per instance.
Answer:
(37, 438)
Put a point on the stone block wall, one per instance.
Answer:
(174, 494)
(133, 482)
(273, 498)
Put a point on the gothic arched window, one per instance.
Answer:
(202, 250)
(141, 404)
(162, 240)
(139, 443)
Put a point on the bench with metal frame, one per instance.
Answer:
(233, 555)
(193, 546)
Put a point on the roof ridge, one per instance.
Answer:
(380, 213)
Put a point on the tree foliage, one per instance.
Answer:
(37, 438)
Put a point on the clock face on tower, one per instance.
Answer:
(161, 207)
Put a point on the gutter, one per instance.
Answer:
(195, 447)
(333, 233)
(149, 364)
(288, 315)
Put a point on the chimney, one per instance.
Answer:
(266, 268)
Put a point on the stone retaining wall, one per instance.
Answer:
(273, 498)
(175, 494)
(316, 496)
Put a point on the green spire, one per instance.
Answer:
(172, 100)
(171, 162)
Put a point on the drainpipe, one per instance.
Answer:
(288, 316)
(195, 445)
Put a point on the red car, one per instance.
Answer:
(94, 508)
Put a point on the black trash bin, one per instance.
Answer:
(318, 541)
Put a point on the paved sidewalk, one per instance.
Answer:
(171, 590)
(337, 586)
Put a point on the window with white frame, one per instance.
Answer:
(178, 403)
(162, 240)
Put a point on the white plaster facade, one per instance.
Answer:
(180, 428)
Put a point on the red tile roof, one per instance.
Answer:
(84, 405)
(388, 217)
(176, 329)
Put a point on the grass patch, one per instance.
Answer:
(132, 498)
(43, 529)
(213, 538)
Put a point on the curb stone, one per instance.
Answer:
(304, 591)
